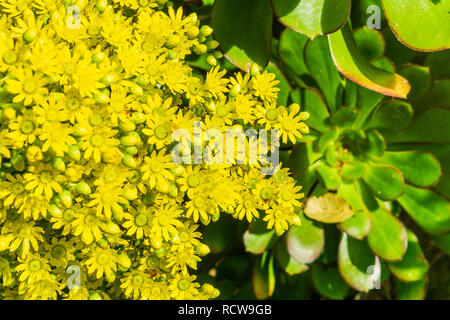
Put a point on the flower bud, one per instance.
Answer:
(9, 113)
(127, 126)
(202, 250)
(124, 261)
(294, 108)
(172, 41)
(66, 198)
(33, 154)
(192, 32)
(131, 139)
(18, 162)
(200, 49)
(98, 57)
(83, 188)
(211, 60)
(206, 30)
(212, 44)
(129, 161)
(58, 164)
(110, 227)
(74, 152)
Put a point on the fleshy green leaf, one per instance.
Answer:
(411, 290)
(263, 276)
(354, 170)
(257, 238)
(328, 282)
(432, 125)
(443, 242)
(352, 64)
(419, 78)
(290, 49)
(428, 209)
(392, 115)
(321, 67)
(437, 96)
(244, 31)
(370, 43)
(438, 64)
(305, 242)
(357, 264)
(329, 176)
(419, 168)
(419, 24)
(344, 116)
(386, 182)
(357, 226)
(413, 266)
(312, 17)
(387, 237)
(288, 263)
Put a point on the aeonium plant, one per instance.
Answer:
(373, 167)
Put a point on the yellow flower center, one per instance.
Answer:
(29, 86)
(194, 89)
(35, 265)
(68, 214)
(199, 202)
(148, 47)
(156, 291)
(141, 220)
(69, 68)
(278, 214)
(287, 195)
(58, 251)
(103, 259)
(153, 262)
(25, 232)
(288, 125)
(248, 204)
(27, 126)
(10, 57)
(193, 180)
(163, 220)
(137, 280)
(266, 193)
(18, 187)
(161, 132)
(271, 114)
(96, 140)
(183, 284)
(89, 220)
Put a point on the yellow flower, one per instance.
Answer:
(28, 87)
(107, 198)
(25, 236)
(156, 168)
(165, 222)
(281, 217)
(134, 283)
(102, 261)
(183, 287)
(290, 126)
(264, 86)
(33, 269)
(43, 179)
(138, 221)
(88, 226)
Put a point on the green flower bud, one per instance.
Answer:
(217, 54)
(98, 57)
(160, 252)
(212, 44)
(102, 243)
(110, 227)
(141, 81)
(74, 152)
(18, 162)
(137, 90)
(66, 198)
(81, 129)
(9, 114)
(117, 213)
(206, 30)
(200, 49)
(254, 70)
(129, 161)
(33, 154)
(55, 211)
(130, 194)
(202, 250)
(101, 5)
(171, 54)
(131, 150)
(58, 164)
(294, 108)
(138, 118)
(30, 35)
(127, 126)
(132, 139)
(212, 61)
(83, 188)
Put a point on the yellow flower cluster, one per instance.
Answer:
(91, 204)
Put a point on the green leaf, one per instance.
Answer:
(432, 125)
(352, 64)
(438, 64)
(244, 31)
(419, 168)
(321, 67)
(290, 49)
(361, 16)
(312, 17)
(370, 43)
(328, 282)
(428, 209)
(437, 96)
(353, 170)
(386, 182)
(411, 290)
(387, 237)
(329, 176)
(395, 50)
(305, 243)
(312, 101)
(413, 266)
(257, 238)
(357, 226)
(392, 115)
(443, 242)
(263, 276)
(357, 264)
(366, 101)
(419, 78)
(344, 117)
(288, 263)
(327, 139)
(419, 24)
(284, 85)
(350, 193)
